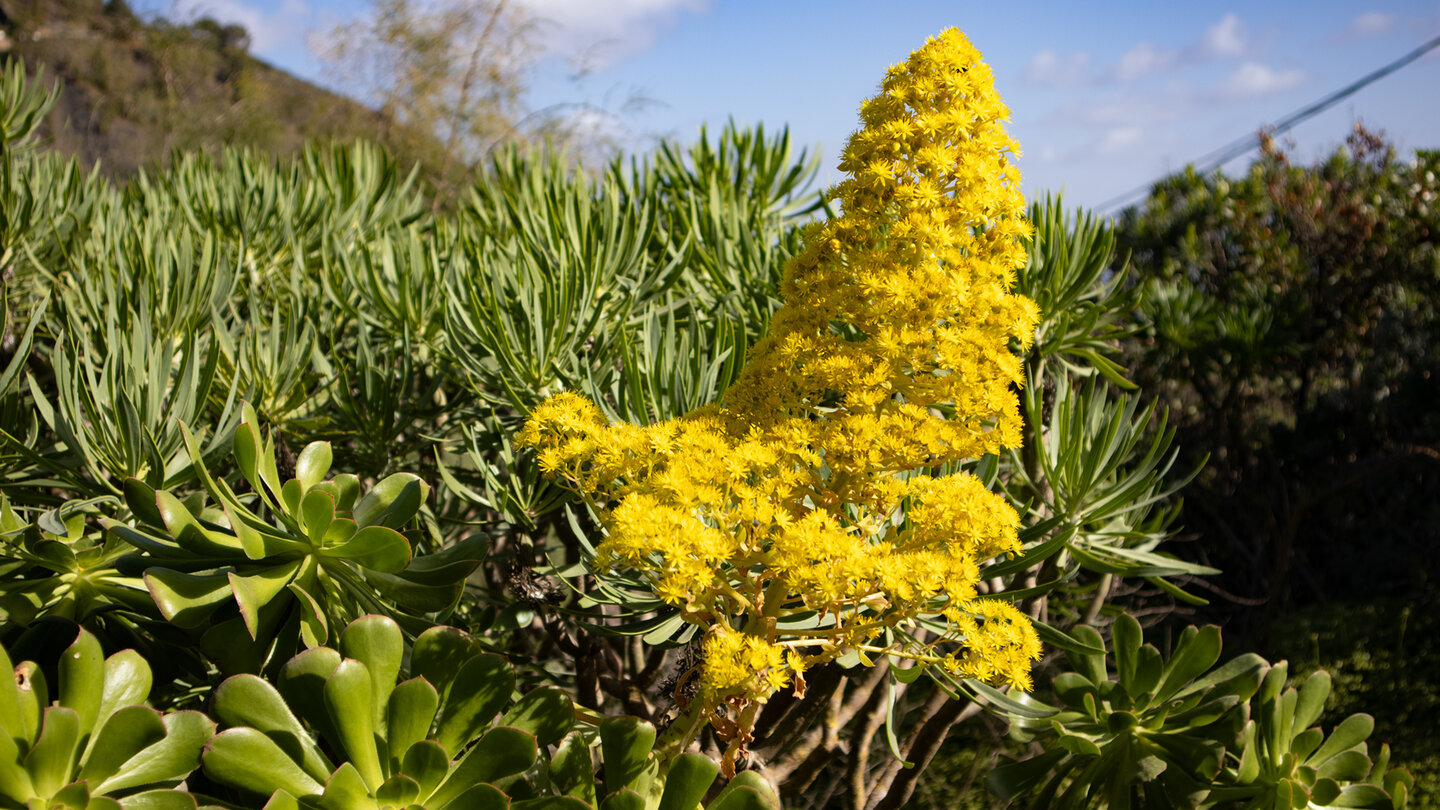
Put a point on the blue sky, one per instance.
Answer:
(1105, 96)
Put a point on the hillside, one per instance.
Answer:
(134, 90)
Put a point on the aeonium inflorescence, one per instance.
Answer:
(807, 516)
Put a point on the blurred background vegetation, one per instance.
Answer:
(1288, 321)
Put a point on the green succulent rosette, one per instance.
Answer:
(287, 565)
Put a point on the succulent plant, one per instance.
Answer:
(447, 736)
(1154, 734)
(56, 566)
(1284, 760)
(98, 746)
(1177, 733)
(259, 589)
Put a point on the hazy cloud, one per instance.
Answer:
(1050, 69)
(1120, 139)
(1369, 24)
(595, 35)
(1253, 79)
(1225, 39)
(270, 31)
(1126, 108)
(1144, 59)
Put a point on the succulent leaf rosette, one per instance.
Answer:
(259, 589)
(807, 515)
(97, 745)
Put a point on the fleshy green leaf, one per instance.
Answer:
(255, 591)
(427, 763)
(52, 761)
(545, 712)
(478, 797)
(689, 778)
(392, 502)
(246, 759)
(501, 752)
(625, 744)
(377, 642)
(313, 463)
(245, 700)
(572, 770)
(123, 736)
(346, 790)
(187, 600)
(439, 653)
(481, 689)
(410, 712)
(165, 761)
(375, 547)
(348, 698)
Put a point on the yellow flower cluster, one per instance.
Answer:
(809, 487)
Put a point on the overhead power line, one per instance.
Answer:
(1238, 147)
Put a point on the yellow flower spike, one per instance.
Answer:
(890, 357)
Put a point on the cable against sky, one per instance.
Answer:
(1240, 146)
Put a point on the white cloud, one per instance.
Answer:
(1253, 79)
(594, 34)
(1225, 38)
(1049, 69)
(1369, 24)
(270, 31)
